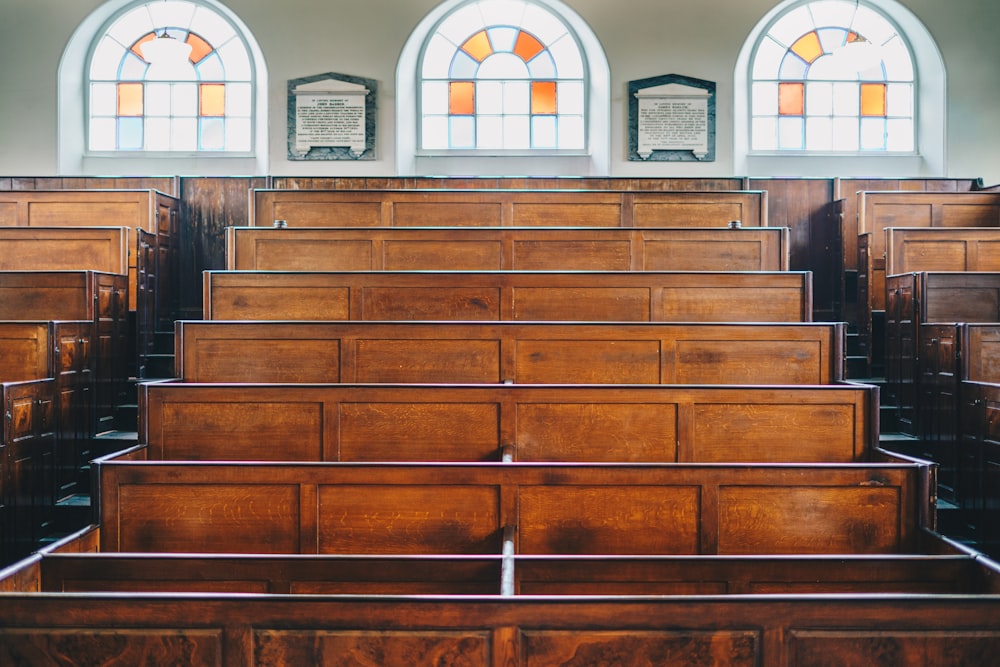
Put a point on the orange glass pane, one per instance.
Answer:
(808, 47)
(129, 99)
(478, 46)
(461, 98)
(791, 99)
(140, 42)
(873, 99)
(213, 99)
(527, 47)
(543, 97)
(199, 47)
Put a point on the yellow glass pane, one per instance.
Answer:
(791, 99)
(527, 47)
(140, 42)
(543, 97)
(478, 46)
(461, 98)
(808, 47)
(873, 99)
(213, 99)
(199, 47)
(129, 99)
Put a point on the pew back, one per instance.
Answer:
(981, 352)
(519, 352)
(428, 508)
(506, 249)
(59, 249)
(611, 423)
(507, 207)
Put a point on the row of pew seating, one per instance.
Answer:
(569, 460)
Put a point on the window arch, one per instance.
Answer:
(832, 76)
(121, 110)
(139, 100)
(861, 82)
(503, 87)
(493, 78)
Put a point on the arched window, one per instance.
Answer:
(521, 82)
(170, 76)
(832, 76)
(493, 78)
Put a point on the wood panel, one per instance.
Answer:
(981, 352)
(553, 296)
(529, 353)
(102, 249)
(182, 421)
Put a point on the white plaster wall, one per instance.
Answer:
(642, 38)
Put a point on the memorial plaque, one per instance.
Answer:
(671, 119)
(331, 119)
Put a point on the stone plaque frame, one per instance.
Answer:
(324, 119)
(671, 118)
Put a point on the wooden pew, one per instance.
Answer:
(914, 250)
(506, 249)
(506, 207)
(95, 297)
(639, 423)
(783, 296)
(456, 508)
(149, 211)
(520, 352)
(63, 351)
(102, 249)
(27, 465)
(981, 346)
(781, 630)
(979, 464)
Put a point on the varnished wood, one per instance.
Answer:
(637, 296)
(102, 249)
(610, 423)
(520, 352)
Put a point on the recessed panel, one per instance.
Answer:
(710, 304)
(588, 361)
(443, 255)
(428, 360)
(284, 254)
(262, 360)
(581, 304)
(431, 303)
(749, 362)
(703, 255)
(583, 255)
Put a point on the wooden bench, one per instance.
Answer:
(520, 352)
(95, 297)
(782, 296)
(981, 351)
(150, 211)
(639, 423)
(506, 249)
(63, 351)
(914, 250)
(27, 465)
(455, 508)
(506, 207)
(979, 460)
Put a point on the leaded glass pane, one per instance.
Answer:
(819, 99)
(106, 59)
(872, 134)
(502, 12)
(211, 26)
(899, 99)
(184, 99)
(503, 38)
(571, 98)
(489, 132)
(765, 98)
(212, 100)
(792, 67)
(543, 97)
(489, 97)
(503, 66)
(544, 25)
(434, 132)
(461, 23)
(463, 66)
(543, 132)
(516, 132)
(898, 63)
(516, 97)
(434, 97)
(103, 99)
(129, 134)
(462, 132)
(569, 62)
(461, 98)
(832, 12)
(819, 134)
(846, 99)
(132, 68)
(184, 134)
(130, 99)
(213, 134)
(845, 134)
(157, 99)
(103, 134)
(167, 12)
(790, 133)
(478, 46)
(542, 66)
(236, 60)
(768, 60)
(792, 25)
(211, 69)
(238, 132)
(157, 134)
(899, 134)
(571, 132)
(872, 99)
(764, 133)
(437, 58)
(239, 99)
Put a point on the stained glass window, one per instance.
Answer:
(171, 75)
(833, 76)
(502, 75)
